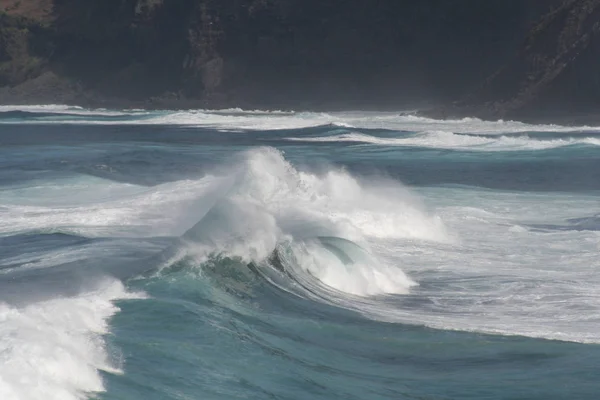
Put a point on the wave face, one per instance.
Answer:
(233, 254)
(269, 204)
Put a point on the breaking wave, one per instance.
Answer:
(54, 349)
(308, 233)
(238, 119)
(450, 140)
(320, 221)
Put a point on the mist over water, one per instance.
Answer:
(234, 254)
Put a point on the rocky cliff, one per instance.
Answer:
(554, 76)
(302, 54)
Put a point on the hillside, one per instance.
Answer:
(554, 75)
(301, 54)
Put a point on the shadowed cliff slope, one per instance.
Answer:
(303, 54)
(556, 73)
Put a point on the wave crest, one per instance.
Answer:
(268, 203)
(450, 140)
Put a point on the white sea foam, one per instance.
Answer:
(450, 140)
(259, 202)
(69, 110)
(271, 202)
(98, 207)
(504, 276)
(415, 123)
(479, 264)
(237, 119)
(53, 350)
(54, 108)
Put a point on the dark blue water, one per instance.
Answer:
(296, 256)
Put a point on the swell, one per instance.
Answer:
(73, 248)
(281, 260)
(21, 116)
(220, 327)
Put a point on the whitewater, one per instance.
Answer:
(277, 254)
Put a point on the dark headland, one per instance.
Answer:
(510, 59)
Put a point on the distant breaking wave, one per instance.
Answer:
(449, 140)
(238, 119)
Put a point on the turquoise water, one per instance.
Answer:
(252, 255)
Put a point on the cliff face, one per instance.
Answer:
(383, 53)
(21, 49)
(266, 53)
(554, 75)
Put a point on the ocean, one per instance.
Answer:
(286, 255)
